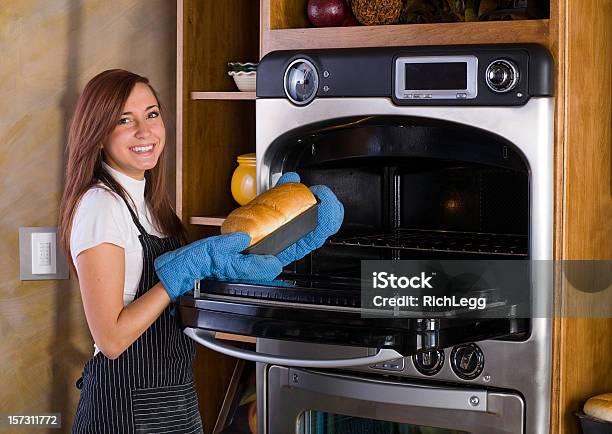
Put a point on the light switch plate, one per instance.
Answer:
(43, 253)
(39, 255)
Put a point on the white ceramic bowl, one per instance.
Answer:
(245, 80)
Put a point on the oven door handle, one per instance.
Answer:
(207, 338)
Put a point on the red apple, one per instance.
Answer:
(327, 13)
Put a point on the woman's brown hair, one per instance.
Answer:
(96, 115)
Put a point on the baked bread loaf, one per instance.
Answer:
(600, 407)
(269, 211)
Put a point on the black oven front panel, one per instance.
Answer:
(484, 75)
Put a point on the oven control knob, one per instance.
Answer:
(502, 75)
(301, 81)
(429, 362)
(467, 361)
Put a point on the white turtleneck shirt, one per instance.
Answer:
(103, 217)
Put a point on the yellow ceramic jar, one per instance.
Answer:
(244, 187)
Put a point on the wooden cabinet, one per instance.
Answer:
(284, 26)
(216, 123)
(581, 44)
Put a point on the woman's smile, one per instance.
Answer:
(143, 150)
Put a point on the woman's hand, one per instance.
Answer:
(218, 257)
(330, 215)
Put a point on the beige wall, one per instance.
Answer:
(49, 49)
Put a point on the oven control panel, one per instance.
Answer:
(453, 77)
(485, 75)
(466, 362)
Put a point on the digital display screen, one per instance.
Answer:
(436, 76)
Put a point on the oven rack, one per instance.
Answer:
(440, 241)
(292, 288)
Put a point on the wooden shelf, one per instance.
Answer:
(238, 338)
(207, 221)
(490, 32)
(223, 95)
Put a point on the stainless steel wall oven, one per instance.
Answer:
(436, 153)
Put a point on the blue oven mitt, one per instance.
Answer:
(330, 216)
(215, 257)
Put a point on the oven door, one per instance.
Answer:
(309, 402)
(329, 313)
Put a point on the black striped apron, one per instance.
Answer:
(149, 388)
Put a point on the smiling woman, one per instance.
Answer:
(119, 230)
(116, 218)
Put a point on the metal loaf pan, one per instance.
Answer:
(591, 425)
(287, 234)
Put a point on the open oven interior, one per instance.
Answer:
(412, 189)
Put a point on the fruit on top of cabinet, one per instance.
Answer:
(328, 13)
